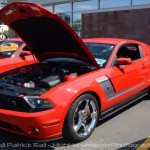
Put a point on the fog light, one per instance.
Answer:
(36, 131)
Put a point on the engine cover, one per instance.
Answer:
(50, 81)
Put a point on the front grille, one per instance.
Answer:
(9, 126)
(6, 125)
(7, 101)
(13, 103)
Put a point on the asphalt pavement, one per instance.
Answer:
(125, 130)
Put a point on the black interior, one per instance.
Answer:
(125, 52)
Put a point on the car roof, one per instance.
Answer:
(108, 40)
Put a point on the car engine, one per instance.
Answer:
(36, 77)
(46, 75)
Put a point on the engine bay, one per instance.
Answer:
(21, 88)
(46, 75)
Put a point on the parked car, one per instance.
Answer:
(74, 84)
(14, 53)
(9, 46)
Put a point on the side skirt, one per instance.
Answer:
(122, 105)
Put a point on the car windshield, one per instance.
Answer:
(101, 52)
(7, 48)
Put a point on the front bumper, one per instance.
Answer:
(39, 125)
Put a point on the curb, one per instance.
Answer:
(145, 145)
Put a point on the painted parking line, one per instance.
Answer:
(145, 145)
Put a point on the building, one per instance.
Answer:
(104, 18)
(3, 3)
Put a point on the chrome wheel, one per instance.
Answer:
(85, 117)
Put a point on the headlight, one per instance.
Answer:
(36, 102)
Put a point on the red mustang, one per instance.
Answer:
(14, 53)
(74, 84)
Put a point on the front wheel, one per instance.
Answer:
(81, 118)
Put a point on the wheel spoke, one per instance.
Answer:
(93, 115)
(86, 106)
(80, 113)
(86, 127)
(78, 126)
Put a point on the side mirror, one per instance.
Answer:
(123, 61)
(25, 53)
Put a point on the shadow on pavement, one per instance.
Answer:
(121, 111)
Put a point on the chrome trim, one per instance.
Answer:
(102, 79)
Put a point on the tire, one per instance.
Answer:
(81, 118)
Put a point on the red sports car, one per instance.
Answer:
(74, 84)
(14, 53)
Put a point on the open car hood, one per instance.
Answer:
(44, 32)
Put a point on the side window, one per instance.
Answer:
(26, 48)
(25, 51)
(129, 51)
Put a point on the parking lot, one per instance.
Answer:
(124, 130)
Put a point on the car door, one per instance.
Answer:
(130, 79)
